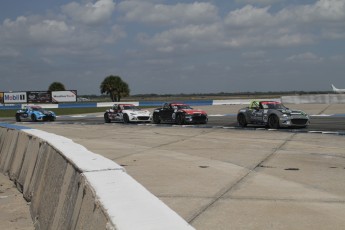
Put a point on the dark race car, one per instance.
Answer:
(35, 113)
(179, 113)
(272, 114)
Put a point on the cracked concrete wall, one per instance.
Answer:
(72, 188)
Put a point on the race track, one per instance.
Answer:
(323, 118)
(220, 174)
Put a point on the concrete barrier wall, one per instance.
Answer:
(241, 101)
(319, 99)
(70, 187)
(315, 99)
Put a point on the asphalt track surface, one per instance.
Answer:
(317, 123)
(323, 118)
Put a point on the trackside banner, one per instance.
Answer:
(64, 96)
(39, 97)
(15, 97)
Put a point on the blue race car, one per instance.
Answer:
(35, 113)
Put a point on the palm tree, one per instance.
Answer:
(56, 86)
(115, 87)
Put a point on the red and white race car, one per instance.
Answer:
(126, 113)
(179, 113)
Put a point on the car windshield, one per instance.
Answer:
(272, 105)
(130, 107)
(183, 107)
(37, 109)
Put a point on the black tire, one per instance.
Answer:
(106, 118)
(125, 118)
(241, 119)
(204, 122)
(18, 118)
(273, 122)
(179, 119)
(156, 119)
(33, 117)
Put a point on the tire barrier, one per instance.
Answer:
(69, 187)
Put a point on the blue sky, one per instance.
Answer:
(172, 46)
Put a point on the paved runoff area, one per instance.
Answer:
(218, 178)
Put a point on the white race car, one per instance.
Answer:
(127, 113)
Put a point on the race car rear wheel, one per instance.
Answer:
(156, 119)
(106, 118)
(18, 118)
(125, 118)
(242, 120)
(273, 122)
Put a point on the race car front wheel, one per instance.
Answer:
(33, 117)
(125, 118)
(156, 119)
(180, 119)
(106, 118)
(242, 120)
(273, 122)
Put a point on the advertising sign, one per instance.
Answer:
(64, 96)
(15, 97)
(39, 97)
(1, 97)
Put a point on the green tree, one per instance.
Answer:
(56, 86)
(115, 87)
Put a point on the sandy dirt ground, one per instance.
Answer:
(14, 211)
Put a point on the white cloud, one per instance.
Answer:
(160, 14)
(185, 38)
(116, 33)
(259, 2)
(291, 26)
(305, 57)
(50, 31)
(322, 10)
(90, 13)
(249, 16)
(51, 37)
(254, 54)
(12, 31)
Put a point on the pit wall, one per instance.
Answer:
(69, 187)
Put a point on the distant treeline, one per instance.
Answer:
(210, 95)
(233, 94)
